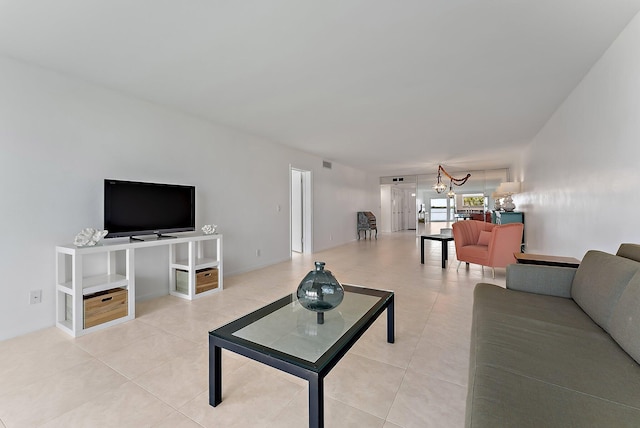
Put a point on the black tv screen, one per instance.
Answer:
(136, 208)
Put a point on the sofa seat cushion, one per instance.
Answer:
(550, 344)
(506, 399)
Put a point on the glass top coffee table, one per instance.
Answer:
(288, 337)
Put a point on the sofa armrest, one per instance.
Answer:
(549, 280)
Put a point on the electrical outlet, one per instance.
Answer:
(35, 296)
(257, 253)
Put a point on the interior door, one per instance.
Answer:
(394, 209)
(402, 209)
(410, 214)
(398, 209)
(297, 211)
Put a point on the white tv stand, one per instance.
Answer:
(187, 251)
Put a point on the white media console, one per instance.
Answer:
(188, 252)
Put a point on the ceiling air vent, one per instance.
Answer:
(326, 164)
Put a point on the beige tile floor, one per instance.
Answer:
(152, 371)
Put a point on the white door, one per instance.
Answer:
(297, 211)
(410, 214)
(394, 209)
(401, 211)
(397, 209)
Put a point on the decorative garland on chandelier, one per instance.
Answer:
(440, 187)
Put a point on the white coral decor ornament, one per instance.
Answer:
(89, 237)
(209, 229)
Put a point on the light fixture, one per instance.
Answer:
(451, 193)
(440, 187)
(508, 188)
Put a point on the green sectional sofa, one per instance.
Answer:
(559, 347)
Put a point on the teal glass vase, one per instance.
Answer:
(320, 291)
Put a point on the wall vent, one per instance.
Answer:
(326, 164)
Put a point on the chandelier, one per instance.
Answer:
(440, 187)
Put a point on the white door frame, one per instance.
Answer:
(307, 209)
(297, 211)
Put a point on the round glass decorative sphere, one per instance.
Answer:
(320, 291)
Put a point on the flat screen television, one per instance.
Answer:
(135, 208)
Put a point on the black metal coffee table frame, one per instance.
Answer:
(444, 239)
(313, 372)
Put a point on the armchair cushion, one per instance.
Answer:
(484, 238)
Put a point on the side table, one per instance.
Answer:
(543, 259)
(444, 239)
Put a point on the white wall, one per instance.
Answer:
(60, 138)
(582, 170)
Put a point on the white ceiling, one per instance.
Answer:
(390, 86)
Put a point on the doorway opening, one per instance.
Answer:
(300, 213)
(398, 207)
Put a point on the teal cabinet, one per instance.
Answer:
(505, 217)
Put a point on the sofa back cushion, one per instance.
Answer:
(624, 326)
(599, 283)
(629, 251)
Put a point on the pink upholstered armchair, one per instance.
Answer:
(487, 244)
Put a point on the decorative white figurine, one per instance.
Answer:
(209, 229)
(89, 237)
